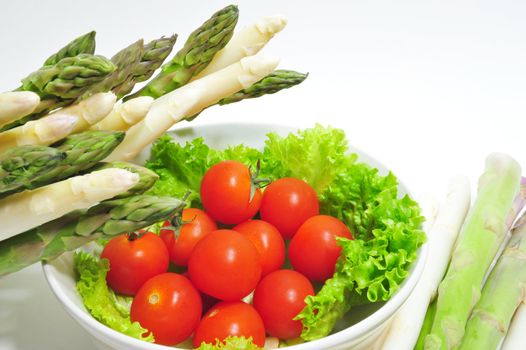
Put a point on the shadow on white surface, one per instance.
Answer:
(29, 311)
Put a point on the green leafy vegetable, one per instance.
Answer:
(313, 155)
(231, 343)
(103, 304)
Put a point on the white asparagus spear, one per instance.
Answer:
(405, 327)
(247, 42)
(191, 99)
(16, 104)
(23, 211)
(126, 114)
(57, 125)
(515, 338)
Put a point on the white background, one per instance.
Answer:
(427, 87)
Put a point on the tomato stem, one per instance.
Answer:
(256, 181)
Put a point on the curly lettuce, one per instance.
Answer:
(231, 343)
(102, 303)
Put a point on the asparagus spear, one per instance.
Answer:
(21, 165)
(83, 44)
(501, 296)
(155, 52)
(125, 62)
(57, 199)
(146, 177)
(481, 236)
(72, 231)
(246, 42)
(83, 151)
(278, 80)
(58, 85)
(17, 104)
(68, 78)
(126, 114)
(198, 51)
(58, 125)
(272, 83)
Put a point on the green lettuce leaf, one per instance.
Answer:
(181, 167)
(102, 303)
(231, 343)
(372, 266)
(314, 155)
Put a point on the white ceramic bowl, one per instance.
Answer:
(361, 328)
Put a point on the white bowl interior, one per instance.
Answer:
(357, 327)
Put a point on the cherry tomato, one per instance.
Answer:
(287, 203)
(134, 261)
(225, 192)
(268, 242)
(169, 306)
(198, 224)
(230, 318)
(313, 250)
(278, 298)
(225, 265)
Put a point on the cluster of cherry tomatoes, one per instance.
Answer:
(222, 266)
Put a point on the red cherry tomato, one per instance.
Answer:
(278, 298)
(133, 262)
(230, 318)
(268, 242)
(287, 203)
(313, 250)
(169, 306)
(225, 192)
(225, 265)
(198, 225)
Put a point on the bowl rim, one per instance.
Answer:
(362, 327)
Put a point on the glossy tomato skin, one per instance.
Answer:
(313, 250)
(278, 298)
(230, 318)
(225, 193)
(287, 203)
(198, 225)
(267, 240)
(225, 265)
(169, 306)
(133, 262)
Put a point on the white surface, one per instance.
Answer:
(428, 87)
(360, 333)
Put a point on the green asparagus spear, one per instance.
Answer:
(21, 165)
(83, 151)
(155, 52)
(69, 78)
(198, 51)
(72, 231)
(501, 296)
(58, 85)
(146, 177)
(83, 44)
(482, 234)
(278, 80)
(125, 62)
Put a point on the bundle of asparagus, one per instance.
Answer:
(63, 120)
(464, 311)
